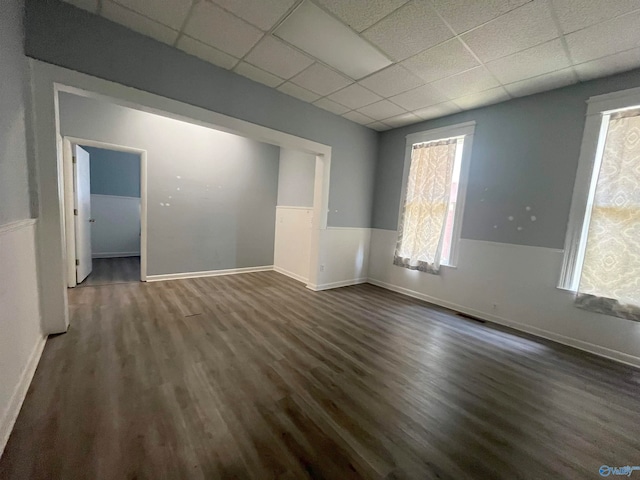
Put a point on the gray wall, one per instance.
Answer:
(63, 35)
(211, 195)
(14, 187)
(525, 154)
(296, 178)
(114, 173)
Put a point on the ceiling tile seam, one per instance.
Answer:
(468, 48)
(563, 40)
(384, 18)
(607, 20)
(262, 70)
(606, 56)
(139, 14)
(326, 66)
(217, 5)
(184, 24)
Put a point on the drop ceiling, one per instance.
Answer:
(443, 56)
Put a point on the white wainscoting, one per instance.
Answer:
(344, 257)
(21, 337)
(116, 231)
(512, 285)
(292, 245)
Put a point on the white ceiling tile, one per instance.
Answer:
(466, 83)
(257, 74)
(482, 99)
(402, 120)
(298, 92)
(577, 14)
(278, 58)
(171, 14)
(601, 67)
(212, 25)
(263, 14)
(379, 126)
(88, 5)
(436, 111)
(391, 81)
(521, 28)
(545, 82)
(331, 106)
(441, 61)
(361, 14)
(139, 23)
(381, 110)
(532, 62)
(419, 98)
(409, 30)
(358, 118)
(207, 53)
(321, 80)
(605, 38)
(354, 96)
(465, 14)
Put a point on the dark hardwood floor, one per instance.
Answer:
(107, 271)
(254, 376)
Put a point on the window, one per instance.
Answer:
(436, 166)
(602, 252)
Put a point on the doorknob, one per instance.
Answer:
(92, 220)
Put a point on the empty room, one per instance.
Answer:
(319, 239)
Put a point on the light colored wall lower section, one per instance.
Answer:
(343, 258)
(116, 231)
(293, 242)
(512, 285)
(21, 337)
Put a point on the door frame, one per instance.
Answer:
(68, 217)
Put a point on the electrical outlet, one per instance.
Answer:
(322, 268)
(495, 306)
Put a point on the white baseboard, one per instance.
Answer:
(209, 273)
(343, 283)
(11, 413)
(295, 276)
(564, 340)
(115, 254)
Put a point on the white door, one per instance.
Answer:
(82, 212)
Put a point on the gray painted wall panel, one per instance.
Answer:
(525, 154)
(63, 35)
(296, 178)
(14, 186)
(211, 195)
(114, 173)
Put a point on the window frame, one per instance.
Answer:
(599, 108)
(466, 130)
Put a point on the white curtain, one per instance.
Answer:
(610, 281)
(426, 205)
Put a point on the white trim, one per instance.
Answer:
(342, 283)
(68, 143)
(208, 273)
(457, 130)
(115, 254)
(287, 273)
(555, 337)
(465, 130)
(593, 139)
(287, 207)
(10, 415)
(17, 225)
(47, 82)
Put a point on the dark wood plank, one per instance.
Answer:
(254, 376)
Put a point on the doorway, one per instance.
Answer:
(105, 213)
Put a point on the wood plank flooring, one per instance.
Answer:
(254, 376)
(107, 271)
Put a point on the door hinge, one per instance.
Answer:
(77, 262)
(73, 159)
(75, 212)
